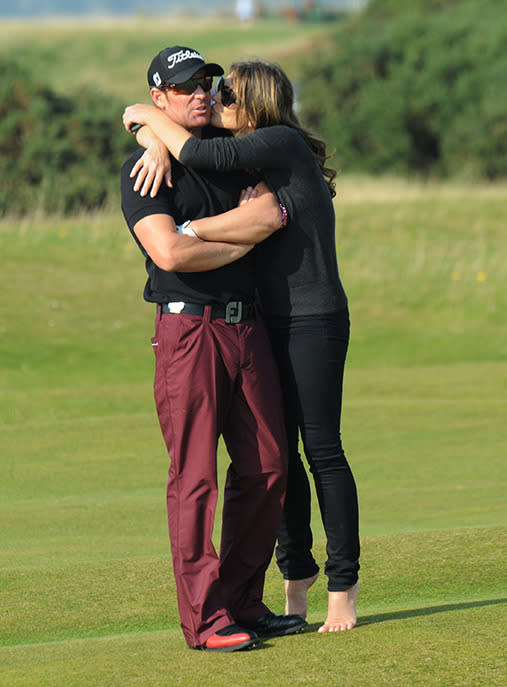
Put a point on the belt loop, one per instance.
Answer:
(207, 313)
(159, 311)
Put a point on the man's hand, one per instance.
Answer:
(246, 195)
(153, 167)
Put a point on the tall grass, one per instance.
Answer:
(424, 267)
(114, 54)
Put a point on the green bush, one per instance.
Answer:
(414, 87)
(57, 153)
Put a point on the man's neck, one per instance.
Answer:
(195, 132)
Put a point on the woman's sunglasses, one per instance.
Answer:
(227, 95)
(191, 85)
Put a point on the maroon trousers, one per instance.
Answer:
(212, 379)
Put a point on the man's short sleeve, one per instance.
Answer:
(135, 206)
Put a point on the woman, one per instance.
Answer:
(305, 308)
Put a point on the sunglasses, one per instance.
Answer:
(191, 85)
(227, 95)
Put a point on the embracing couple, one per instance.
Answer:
(230, 201)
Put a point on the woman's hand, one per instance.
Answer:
(153, 167)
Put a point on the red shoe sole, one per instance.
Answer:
(229, 644)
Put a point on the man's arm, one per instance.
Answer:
(256, 218)
(175, 252)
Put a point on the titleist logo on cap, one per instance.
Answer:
(181, 56)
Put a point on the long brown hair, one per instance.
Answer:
(265, 97)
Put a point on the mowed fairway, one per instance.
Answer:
(87, 593)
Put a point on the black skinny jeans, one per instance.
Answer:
(311, 352)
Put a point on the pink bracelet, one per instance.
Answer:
(284, 215)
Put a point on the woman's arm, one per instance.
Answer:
(273, 146)
(173, 135)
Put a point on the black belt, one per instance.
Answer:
(233, 312)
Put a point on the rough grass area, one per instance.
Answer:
(72, 53)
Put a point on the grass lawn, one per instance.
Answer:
(86, 589)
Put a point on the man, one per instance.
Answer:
(215, 375)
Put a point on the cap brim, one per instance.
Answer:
(210, 69)
(213, 69)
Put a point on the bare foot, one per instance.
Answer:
(295, 595)
(341, 613)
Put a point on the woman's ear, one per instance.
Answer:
(249, 121)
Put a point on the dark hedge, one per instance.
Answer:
(415, 86)
(57, 153)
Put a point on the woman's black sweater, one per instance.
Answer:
(297, 266)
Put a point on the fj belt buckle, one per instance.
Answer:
(233, 312)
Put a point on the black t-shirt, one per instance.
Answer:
(194, 195)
